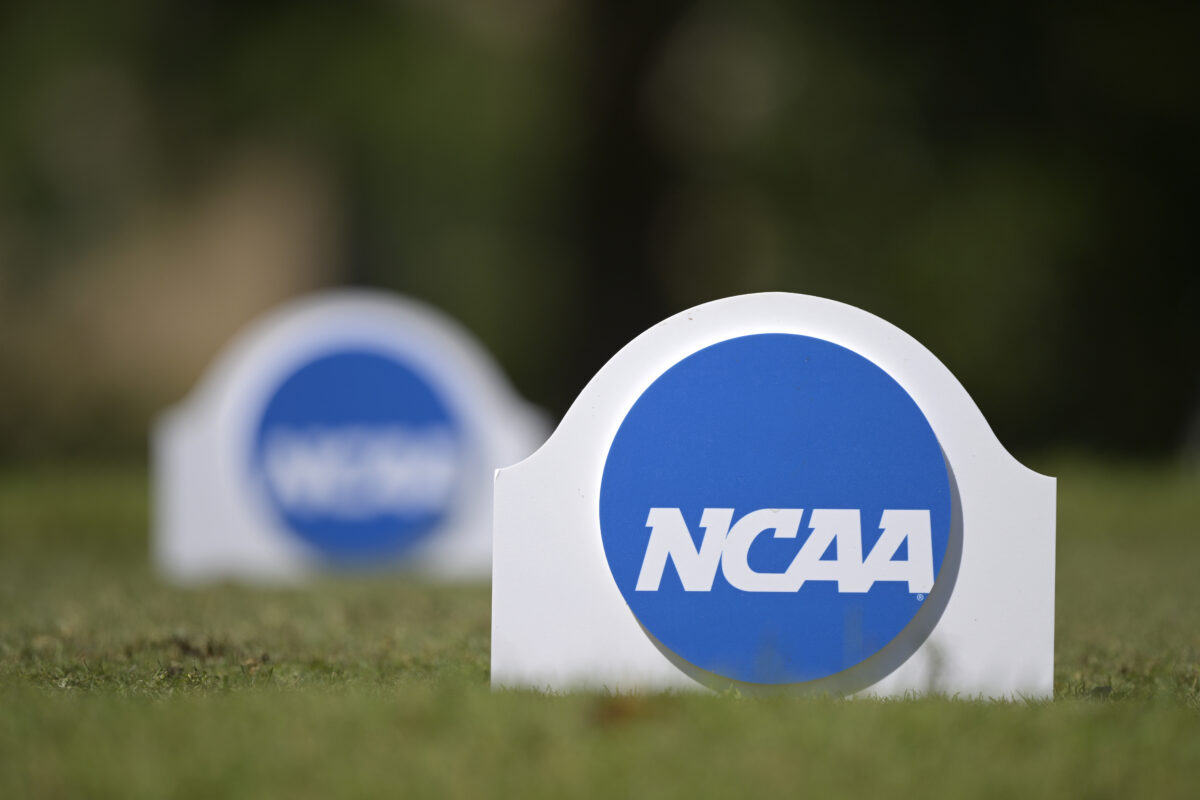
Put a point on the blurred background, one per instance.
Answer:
(1015, 184)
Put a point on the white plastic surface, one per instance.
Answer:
(211, 518)
(560, 622)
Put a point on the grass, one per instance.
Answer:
(115, 685)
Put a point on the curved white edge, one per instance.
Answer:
(781, 317)
(209, 517)
(559, 621)
(289, 327)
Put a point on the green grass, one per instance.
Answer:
(115, 685)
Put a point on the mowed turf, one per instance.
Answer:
(115, 685)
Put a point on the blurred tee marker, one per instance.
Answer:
(349, 429)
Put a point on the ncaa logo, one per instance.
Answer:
(775, 509)
(359, 455)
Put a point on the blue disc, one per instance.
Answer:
(359, 455)
(765, 423)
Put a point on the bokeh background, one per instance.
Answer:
(1014, 183)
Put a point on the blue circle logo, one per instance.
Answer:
(359, 455)
(775, 509)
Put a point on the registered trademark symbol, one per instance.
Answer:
(920, 597)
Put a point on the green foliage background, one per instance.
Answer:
(1012, 183)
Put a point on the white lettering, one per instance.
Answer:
(829, 525)
(359, 472)
(735, 557)
(670, 536)
(729, 548)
